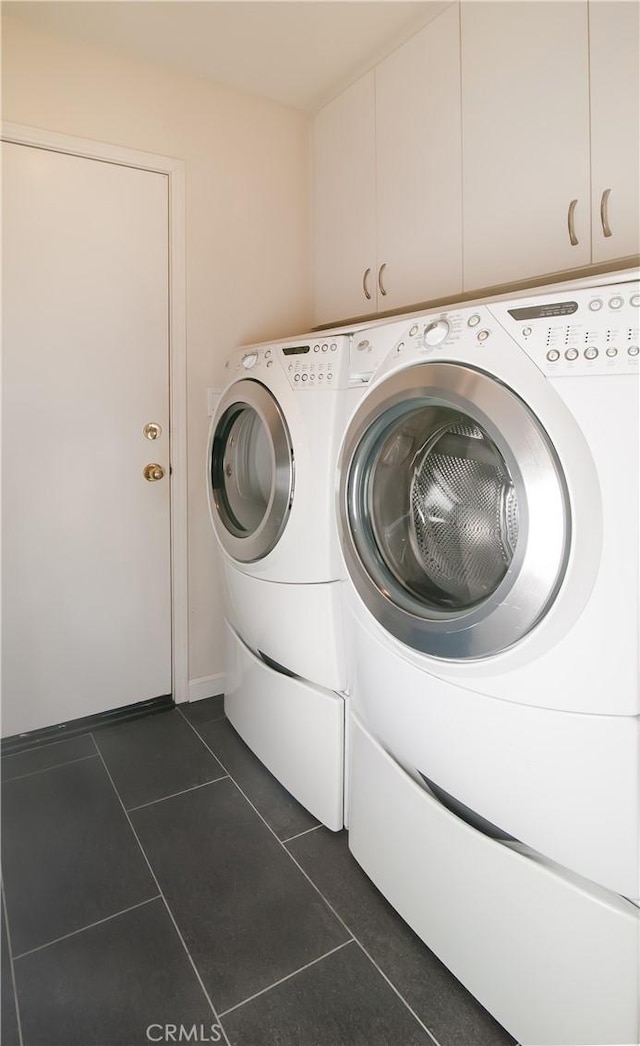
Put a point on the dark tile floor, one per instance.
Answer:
(158, 882)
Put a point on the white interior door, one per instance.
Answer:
(86, 538)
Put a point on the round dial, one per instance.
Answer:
(436, 332)
(250, 360)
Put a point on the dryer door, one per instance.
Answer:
(251, 471)
(455, 518)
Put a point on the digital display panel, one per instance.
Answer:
(296, 350)
(543, 312)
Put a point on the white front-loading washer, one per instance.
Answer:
(271, 483)
(489, 522)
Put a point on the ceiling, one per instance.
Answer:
(295, 52)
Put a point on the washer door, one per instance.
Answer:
(454, 512)
(251, 472)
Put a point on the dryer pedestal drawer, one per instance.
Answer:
(551, 956)
(295, 728)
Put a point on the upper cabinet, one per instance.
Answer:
(614, 30)
(550, 123)
(387, 191)
(525, 127)
(500, 144)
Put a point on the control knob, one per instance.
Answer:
(436, 332)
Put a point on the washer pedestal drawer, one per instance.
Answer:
(552, 956)
(295, 728)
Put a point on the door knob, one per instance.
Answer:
(153, 472)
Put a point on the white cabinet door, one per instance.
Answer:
(344, 211)
(86, 585)
(615, 125)
(525, 127)
(418, 164)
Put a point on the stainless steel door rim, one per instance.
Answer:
(251, 471)
(453, 510)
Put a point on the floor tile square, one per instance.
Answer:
(152, 758)
(247, 914)
(341, 1001)
(444, 1005)
(69, 855)
(47, 756)
(107, 985)
(205, 711)
(278, 807)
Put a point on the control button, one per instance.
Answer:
(612, 351)
(324, 348)
(296, 377)
(329, 377)
(616, 303)
(267, 354)
(363, 345)
(553, 355)
(316, 348)
(483, 335)
(596, 304)
(270, 363)
(635, 300)
(320, 377)
(290, 367)
(474, 320)
(414, 330)
(633, 350)
(312, 377)
(305, 377)
(571, 354)
(333, 346)
(591, 353)
(399, 346)
(526, 331)
(250, 360)
(436, 332)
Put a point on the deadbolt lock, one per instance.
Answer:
(152, 430)
(153, 472)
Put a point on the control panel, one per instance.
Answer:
(586, 331)
(308, 363)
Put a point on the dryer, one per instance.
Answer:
(489, 522)
(271, 484)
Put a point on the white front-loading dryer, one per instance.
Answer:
(271, 485)
(489, 522)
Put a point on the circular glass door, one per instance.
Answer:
(454, 514)
(251, 472)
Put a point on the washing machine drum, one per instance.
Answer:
(462, 518)
(453, 510)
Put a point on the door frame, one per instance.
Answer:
(39, 138)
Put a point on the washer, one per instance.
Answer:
(489, 522)
(270, 477)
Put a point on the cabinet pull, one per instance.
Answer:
(573, 239)
(367, 273)
(604, 212)
(380, 283)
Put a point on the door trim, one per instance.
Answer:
(39, 138)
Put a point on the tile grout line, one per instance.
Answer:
(300, 834)
(13, 972)
(47, 769)
(288, 977)
(184, 791)
(89, 926)
(317, 889)
(164, 899)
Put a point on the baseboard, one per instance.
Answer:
(207, 686)
(62, 731)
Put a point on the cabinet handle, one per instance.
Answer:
(367, 273)
(604, 213)
(380, 283)
(573, 239)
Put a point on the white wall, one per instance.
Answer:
(248, 234)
